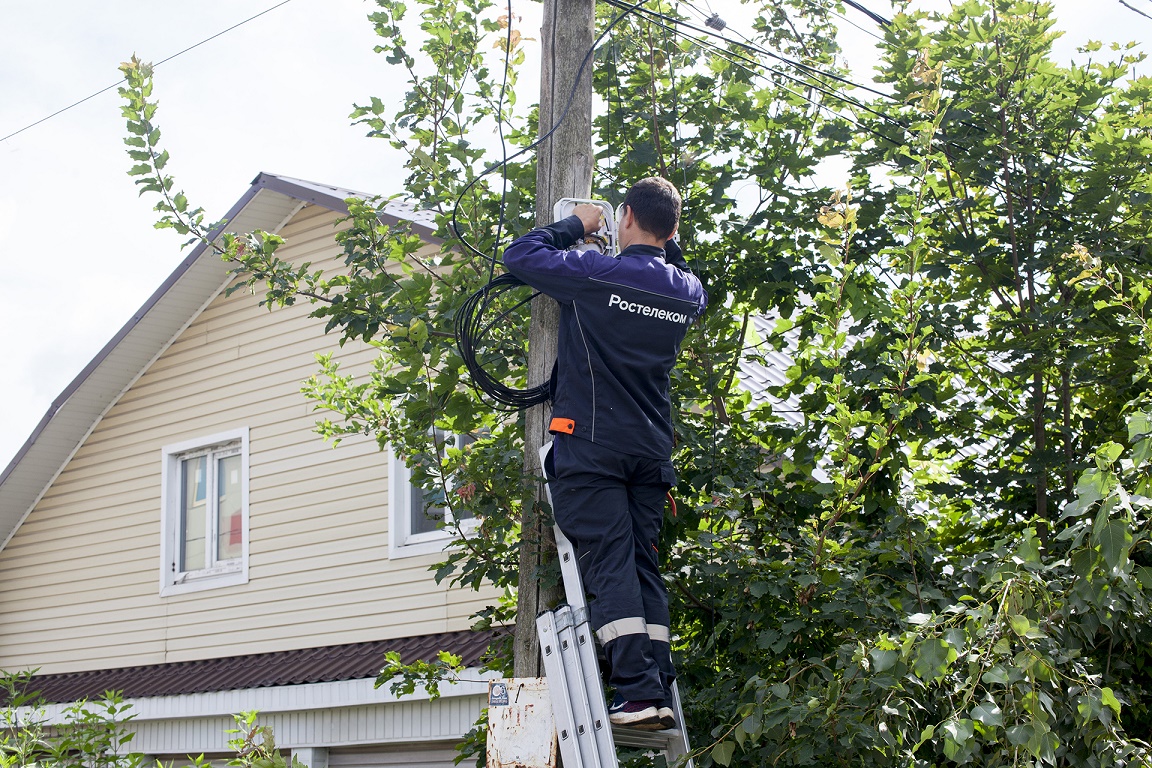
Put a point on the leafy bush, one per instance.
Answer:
(93, 734)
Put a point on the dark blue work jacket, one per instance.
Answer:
(621, 324)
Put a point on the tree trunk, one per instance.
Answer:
(564, 169)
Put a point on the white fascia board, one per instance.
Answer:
(284, 698)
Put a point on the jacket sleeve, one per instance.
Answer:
(539, 259)
(674, 256)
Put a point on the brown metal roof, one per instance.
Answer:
(311, 665)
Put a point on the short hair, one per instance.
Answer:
(656, 205)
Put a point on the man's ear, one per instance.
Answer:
(625, 213)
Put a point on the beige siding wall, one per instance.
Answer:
(79, 581)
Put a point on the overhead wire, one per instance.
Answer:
(869, 13)
(747, 44)
(157, 64)
(738, 58)
(1135, 9)
(752, 66)
(866, 31)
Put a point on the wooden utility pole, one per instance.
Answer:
(564, 169)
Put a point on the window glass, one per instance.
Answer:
(424, 520)
(229, 517)
(417, 527)
(193, 520)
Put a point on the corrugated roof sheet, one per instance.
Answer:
(354, 661)
(768, 368)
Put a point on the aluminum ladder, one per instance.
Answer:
(568, 648)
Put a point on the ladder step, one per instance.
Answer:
(656, 740)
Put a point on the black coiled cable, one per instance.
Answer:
(472, 331)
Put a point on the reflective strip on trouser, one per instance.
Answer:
(632, 625)
(611, 506)
(659, 633)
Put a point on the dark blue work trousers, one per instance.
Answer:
(610, 505)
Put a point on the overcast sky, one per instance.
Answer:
(78, 254)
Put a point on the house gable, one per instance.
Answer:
(268, 205)
(80, 578)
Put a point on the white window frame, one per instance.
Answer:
(227, 574)
(401, 541)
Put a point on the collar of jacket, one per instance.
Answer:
(639, 249)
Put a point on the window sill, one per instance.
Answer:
(436, 542)
(205, 582)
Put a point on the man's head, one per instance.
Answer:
(654, 205)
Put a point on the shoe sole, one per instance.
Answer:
(667, 719)
(648, 720)
(642, 725)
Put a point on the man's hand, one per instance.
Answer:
(592, 216)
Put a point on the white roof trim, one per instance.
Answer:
(283, 698)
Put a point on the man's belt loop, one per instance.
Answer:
(565, 426)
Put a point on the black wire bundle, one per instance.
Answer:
(472, 331)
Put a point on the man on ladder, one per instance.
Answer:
(622, 321)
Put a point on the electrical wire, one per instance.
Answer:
(753, 67)
(470, 330)
(1135, 9)
(162, 61)
(473, 330)
(870, 14)
(542, 139)
(754, 48)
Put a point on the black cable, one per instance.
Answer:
(731, 56)
(752, 66)
(756, 48)
(1133, 8)
(472, 332)
(870, 14)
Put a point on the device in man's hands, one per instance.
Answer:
(603, 239)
